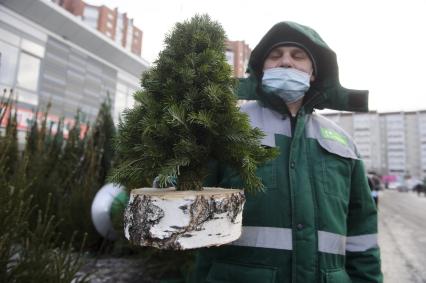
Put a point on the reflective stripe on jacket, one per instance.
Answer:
(315, 221)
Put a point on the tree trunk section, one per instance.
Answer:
(179, 220)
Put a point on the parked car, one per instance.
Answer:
(396, 185)
(412, 183)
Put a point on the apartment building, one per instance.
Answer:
(115, 25)
(344, 119)
(391, 143)
(237, 55)
(412, 147)
(49, 55)
(395, 141)
(364, 129)
(422, 140)
(366, 133)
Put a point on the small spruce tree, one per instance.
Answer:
(186, 115)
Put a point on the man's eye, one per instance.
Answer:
(274, 55)
(300, 56)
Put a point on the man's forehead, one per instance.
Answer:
(290, 48)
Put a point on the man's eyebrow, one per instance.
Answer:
(275, 51)
(298, 50)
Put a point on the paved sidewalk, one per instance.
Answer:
(402, 237)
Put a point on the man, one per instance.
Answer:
(374, 184)
(316, 220)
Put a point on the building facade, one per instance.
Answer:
(110, 22)
(391, 143)
(422, 139)
(237, 55)
(412, 144)
(395, 141)
(49, 55)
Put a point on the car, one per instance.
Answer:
(396, 185)
(412, 182)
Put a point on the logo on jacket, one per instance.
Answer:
(332, 135)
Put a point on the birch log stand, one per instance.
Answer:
(179, 220)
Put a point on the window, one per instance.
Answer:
(129, 35)
(29, 67)
(230, 57)
(119, 29)
(91, 15)
(8, 59)
(120, 104)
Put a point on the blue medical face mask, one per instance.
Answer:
(288, 83)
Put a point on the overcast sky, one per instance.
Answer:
(380, 44)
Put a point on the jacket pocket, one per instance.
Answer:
(225, 272)
(337, 276)
(337, 176)
(268, 174)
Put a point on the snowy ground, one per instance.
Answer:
(116, 270)
(402, 237)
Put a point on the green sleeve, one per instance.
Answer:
(363, 254)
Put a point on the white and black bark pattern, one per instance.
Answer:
(184, 220)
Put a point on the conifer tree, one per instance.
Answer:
(89, 172)
(71, 156)
(186, 115)
(9, 142)
(102, 135)
(30, 246)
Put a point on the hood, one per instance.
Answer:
(325, 91)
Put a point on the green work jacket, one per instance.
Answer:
(315, 221)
